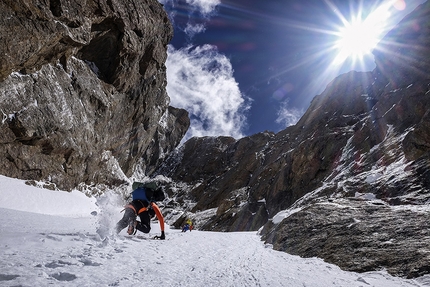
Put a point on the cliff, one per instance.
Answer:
(82, 91)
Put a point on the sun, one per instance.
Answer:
(359, 36)
(356, 39)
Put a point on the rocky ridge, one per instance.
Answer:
(82, 91)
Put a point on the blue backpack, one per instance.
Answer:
(140, 194)
(147, 191)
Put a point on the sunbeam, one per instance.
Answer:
(345, 43)
(360, 35)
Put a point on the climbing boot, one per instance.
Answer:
(132, 228)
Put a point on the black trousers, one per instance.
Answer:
(130, 216)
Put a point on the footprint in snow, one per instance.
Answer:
(64, 276)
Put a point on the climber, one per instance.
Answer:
(142, 205)
(187, 226)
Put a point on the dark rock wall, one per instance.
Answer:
(82, 90)
(359, 236)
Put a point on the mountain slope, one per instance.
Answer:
(77, 256)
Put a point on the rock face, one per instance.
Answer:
(348, 183)
(359, 235)
(82, 90)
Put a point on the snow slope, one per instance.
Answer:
(49, 238)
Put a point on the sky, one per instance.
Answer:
(55, 241)
(243, 67)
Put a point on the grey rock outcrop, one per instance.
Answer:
(349, 183)
(359, 235)
(82, 91)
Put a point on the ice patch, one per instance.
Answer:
(373, 177)
(284, 214)
(367, 196)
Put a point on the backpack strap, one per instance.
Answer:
(136, 212)
(129, 206)
(143, 209)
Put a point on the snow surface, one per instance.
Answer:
(50, 238)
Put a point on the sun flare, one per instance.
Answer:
(356, 39)
(359, 36)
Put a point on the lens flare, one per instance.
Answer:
(359, 36)
(344, 41)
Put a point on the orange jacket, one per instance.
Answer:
(157, 213)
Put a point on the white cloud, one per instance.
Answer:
(192, 30)
(200, 80)
(204, 6)
(288, 116)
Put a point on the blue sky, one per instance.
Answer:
(243, 67)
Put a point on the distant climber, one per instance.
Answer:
(188, 226)
(142, 205)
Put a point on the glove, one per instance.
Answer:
(161, 237)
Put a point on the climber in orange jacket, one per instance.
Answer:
(140, 206)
